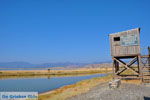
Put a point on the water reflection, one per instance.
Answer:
(40, 83)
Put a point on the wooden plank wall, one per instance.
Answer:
(118, 50)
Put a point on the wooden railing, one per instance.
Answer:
(145, 58)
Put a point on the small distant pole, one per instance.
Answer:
(48, 70)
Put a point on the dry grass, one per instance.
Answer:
(54, 72)
(133, 81)
(73, 90)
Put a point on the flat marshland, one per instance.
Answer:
(65, 92)
(95, 88)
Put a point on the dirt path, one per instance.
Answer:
(124, 92)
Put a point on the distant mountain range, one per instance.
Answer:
(45, 65)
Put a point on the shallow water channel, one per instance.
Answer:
(41, 84)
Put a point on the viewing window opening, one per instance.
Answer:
(116, 38)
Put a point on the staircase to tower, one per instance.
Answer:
(145, 64)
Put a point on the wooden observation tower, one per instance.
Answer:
(126, 55)
(125, 52)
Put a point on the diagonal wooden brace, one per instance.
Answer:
(127, 66)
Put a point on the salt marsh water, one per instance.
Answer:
(39, 84)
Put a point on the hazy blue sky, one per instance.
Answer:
(40, 31)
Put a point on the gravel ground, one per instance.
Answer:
(124, 92)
